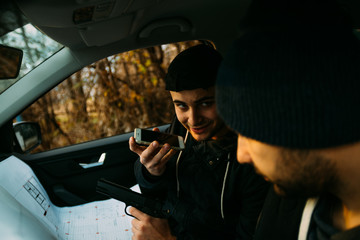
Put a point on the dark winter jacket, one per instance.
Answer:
(281, 219)
(218, 197)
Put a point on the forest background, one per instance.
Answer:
(109, 97)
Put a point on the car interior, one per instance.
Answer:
(90, 30)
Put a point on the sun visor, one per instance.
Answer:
(102, 33)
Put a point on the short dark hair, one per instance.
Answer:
(195, 67)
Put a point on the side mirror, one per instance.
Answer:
(28, 136)
(10, 62)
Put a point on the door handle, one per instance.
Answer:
(99, 162)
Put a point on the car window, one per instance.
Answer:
(36, 47)
(109, 97)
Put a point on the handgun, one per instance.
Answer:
(147, 205)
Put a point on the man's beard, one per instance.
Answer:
(298, 191)
(304, 175)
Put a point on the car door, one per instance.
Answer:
(87, 120)
(69, 174)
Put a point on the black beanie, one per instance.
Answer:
(195, 67)
(293, 88)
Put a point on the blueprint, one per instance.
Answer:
(105, 220)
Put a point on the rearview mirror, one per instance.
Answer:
(10, 62)
(28, 136)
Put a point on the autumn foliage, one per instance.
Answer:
(109, 97)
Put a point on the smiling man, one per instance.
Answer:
(197, 184)
(196, 111)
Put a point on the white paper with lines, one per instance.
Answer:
(103, 220)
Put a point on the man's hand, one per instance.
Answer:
(145, 227)
(152, 157)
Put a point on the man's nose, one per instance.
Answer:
(193, 117)
(243, 155)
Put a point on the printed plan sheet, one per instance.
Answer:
(101, 220)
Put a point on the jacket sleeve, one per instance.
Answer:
(150, 185)
(198, 224)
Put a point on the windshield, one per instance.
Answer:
(36, 47)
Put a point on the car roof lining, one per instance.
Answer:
(130, 17)
(86, 23)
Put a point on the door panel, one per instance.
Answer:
(68, 184)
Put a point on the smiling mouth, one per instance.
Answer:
(199, 130)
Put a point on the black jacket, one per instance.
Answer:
(281, 217)
(197, 212)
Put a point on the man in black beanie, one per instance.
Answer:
(197, 184)
(291, 94)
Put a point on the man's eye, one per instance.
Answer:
(182, 106)
(207, 104)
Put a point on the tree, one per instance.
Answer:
(111, 96)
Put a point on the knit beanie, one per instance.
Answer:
(293, 88)
(195, 67)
